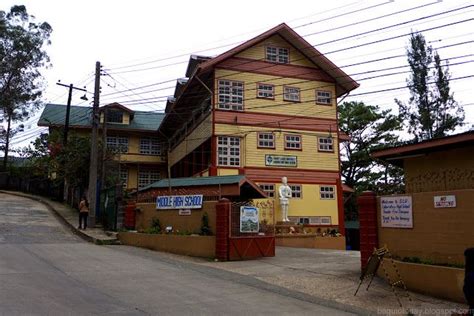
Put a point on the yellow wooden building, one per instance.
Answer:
(264, 109)
(139, 156)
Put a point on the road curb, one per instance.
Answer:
(72, 227)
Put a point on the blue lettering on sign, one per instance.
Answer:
(179, 202)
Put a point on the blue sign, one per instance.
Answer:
(170, 202)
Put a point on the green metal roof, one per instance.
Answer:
(80, 116)
(195, 181)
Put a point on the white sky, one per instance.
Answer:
(122, 33)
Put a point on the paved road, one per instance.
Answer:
(46, 270)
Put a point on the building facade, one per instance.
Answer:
(264, 109)
(138, 154)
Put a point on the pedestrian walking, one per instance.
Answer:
(83, 212)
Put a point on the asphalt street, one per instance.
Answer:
(46, 270)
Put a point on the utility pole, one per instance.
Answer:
(94, 150)
(68, 108)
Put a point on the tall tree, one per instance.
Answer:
(22, 55)
(431, 110)
(369, 128)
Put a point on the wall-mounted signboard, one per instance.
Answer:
(396, 211)
(185, 212)
(249, 219)
(281, 161)
(444, 201)
(169, 202)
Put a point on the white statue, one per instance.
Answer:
(285, 195)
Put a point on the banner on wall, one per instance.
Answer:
(396, 211)
(249, 219)
(170, 202)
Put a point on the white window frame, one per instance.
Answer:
(293, 142)
(118, 144)
(279, 55)
(147, 176)
(302, 220)
(327, 192)
(230, 95)
(228, 151)
(123, 176)
(296, 191)
(323, 97)
(291, 94)
(266, 140)
(265, 91)
(268, 188)
(325, 144)
(150, 146)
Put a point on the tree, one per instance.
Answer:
(431, 110)
(22, 54)
(369, 129)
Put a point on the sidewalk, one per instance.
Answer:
(70, 218)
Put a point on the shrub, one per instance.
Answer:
(205, 230)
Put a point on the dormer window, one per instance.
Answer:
(114, 116)
(278, 55)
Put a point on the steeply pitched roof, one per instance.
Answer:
(344, 82)
(80, 117)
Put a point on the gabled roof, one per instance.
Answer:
(396, 155)
(116, 105)
(344, 82)
(80, 117)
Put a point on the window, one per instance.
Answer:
(323, 97)
(147, 176)
(326, 192)
(228, 151)
(278, 55)
(231, 95)
(320, 220)
(266, 91)
(291, 94)
(123, 177)
(266, 140)
(303, 220)
(114, 116)
(295, 191)
(269, 189)
(150, 146)
(293, 142)
(325, 144)
(117, 144)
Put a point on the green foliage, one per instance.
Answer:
(155, 223)
(22, 54)
(152, 230)
(431, 111)
(431, 262)
(205, 229)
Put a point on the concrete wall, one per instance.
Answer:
(311, 241)
(197, 246)
(448, 170)
(437, 281)
(438, 234)
(191, 223)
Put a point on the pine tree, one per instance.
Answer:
(431, 110)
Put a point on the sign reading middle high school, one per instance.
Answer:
(169, 202)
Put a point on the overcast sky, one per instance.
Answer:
(143, 42)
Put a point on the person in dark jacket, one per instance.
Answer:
(468, 288)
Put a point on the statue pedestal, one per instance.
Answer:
(287, 228)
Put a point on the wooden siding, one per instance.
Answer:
(258, 51)
(281, 70)
(306, 107)
(270, 120)
(308, 157)
(274, 175)
(198, 136)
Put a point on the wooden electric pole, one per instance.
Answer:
(94, 149)
(68, 108)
